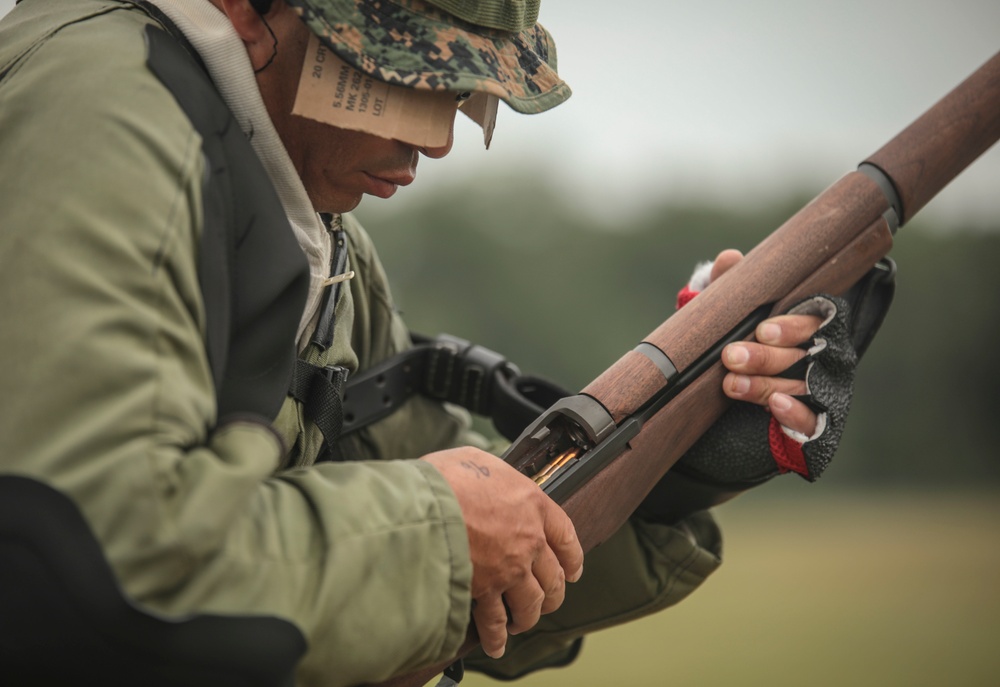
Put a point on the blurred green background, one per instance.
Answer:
(885, 572)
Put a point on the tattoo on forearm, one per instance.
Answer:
(480, 470)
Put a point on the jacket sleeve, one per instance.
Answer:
(108, 394)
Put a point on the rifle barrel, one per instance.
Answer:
(943, 141)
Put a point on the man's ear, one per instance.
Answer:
(248, 23)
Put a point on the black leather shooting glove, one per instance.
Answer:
(746, 447)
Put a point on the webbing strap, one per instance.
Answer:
(451, 370)
(320, 390)
(445, 369)
(249, 338)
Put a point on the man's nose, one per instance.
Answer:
(440, 151)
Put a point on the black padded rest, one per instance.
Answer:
(64, 620)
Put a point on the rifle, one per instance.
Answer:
(600, 452)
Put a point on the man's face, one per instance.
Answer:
(337, 166)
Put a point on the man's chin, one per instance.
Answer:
(338, 205)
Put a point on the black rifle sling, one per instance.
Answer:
(252, 358)
(247, 245)
(451, 370)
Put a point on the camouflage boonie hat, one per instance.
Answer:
(486, 46)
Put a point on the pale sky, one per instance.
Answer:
(728, 98)
(733, 99)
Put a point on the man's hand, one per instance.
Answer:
(523, 546)
(753, 366)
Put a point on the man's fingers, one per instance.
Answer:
(524, 604)
(562, 539)
(724, 261)
(775, 394)
(750, 358)
(552, 579)
(793, 414)
(787, 330)
(759, 389)
(754, 366)
(490, 616)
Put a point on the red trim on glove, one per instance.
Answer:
(684, 296)
(786, 451)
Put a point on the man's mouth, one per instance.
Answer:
(384, 184)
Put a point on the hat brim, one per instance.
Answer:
(414, 44)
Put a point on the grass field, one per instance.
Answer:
(866, 589)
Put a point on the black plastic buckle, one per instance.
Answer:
(462, 373)
(336, 375)
(453, 674)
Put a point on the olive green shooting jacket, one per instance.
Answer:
(108, 395)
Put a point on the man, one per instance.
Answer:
(206, 495)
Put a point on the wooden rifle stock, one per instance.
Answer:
(604, 449)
